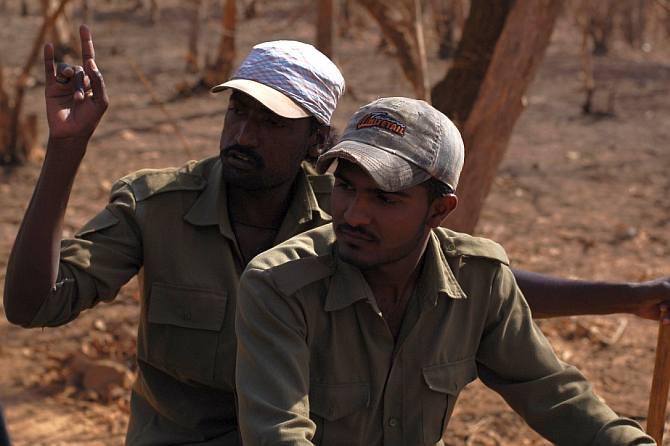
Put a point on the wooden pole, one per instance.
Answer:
(660, 384)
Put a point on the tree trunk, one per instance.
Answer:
(192, 54)
(501, 47)
(222, 67)
(398, 26)
(324, 27)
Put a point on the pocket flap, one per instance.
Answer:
(105, 219)
(186, 307)
(450, 378)
(333, 401)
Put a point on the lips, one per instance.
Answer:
(242, 158)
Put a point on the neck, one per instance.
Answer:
(264, 208)
(398, 276)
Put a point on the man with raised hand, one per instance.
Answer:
(364, 331)
(188, 231)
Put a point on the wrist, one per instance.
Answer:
(75, 146)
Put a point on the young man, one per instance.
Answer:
(192, 230)
(364, 331)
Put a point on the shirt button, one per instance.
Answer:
(393, 422)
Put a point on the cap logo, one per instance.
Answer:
(383, 121)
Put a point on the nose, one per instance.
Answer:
(357, 212)
(247, 133)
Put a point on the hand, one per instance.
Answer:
(652, 299)
(76, 97)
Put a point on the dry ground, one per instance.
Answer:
(576, 196)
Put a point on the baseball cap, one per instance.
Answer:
(293, 79)
(400, 142)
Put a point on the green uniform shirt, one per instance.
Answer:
(171, 226)
(317, 363)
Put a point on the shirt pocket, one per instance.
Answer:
(183, 330)
(335, 408)
(443, 384)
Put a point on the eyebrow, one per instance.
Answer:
(400, 193)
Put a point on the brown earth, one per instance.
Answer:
(577, 196)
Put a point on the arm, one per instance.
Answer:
(553, 296)
(555, 399)
(272, 372)
(72, 114)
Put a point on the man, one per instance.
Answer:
(364, 331)
(191, 231)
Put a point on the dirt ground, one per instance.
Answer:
(576, 196)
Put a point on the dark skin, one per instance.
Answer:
(384, 234)
(76, 100)
(75, 106)
(261, 154)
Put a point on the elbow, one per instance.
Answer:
(14, 312)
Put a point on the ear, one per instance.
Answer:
(318, 140)
(440, 208)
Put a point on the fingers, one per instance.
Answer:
(97, 83)
(87, 50)
(91, 68)
(79, 89)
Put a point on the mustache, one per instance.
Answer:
(356, 230)
(247, 151)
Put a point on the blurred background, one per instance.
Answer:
(564, 107)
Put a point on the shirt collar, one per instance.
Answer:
(436, 280)
(304, 208)
(211, 207)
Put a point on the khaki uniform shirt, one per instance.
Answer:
(317, 363)
(172, 226)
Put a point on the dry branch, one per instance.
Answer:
(17, 139)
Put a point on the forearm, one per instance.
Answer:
(550, 296)
(33, 263)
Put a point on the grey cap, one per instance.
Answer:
(400, 142)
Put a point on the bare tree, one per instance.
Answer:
(220, 69)
(324, 26)
(399, 25)
(18, 133)
(501, 47)
(192, 54)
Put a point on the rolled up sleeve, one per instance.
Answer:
(103, 256)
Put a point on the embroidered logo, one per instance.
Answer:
(383, 121)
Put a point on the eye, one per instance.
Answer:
(236, 109)
(387, 199)
(276, 122)
(343, 185)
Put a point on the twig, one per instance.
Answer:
(154, 97)
(22, 81)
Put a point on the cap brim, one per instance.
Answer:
(391, 172)
(273, 99)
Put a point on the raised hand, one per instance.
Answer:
(76, 97)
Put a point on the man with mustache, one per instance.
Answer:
(189, 232)
(364, 331)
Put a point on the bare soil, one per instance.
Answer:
(577, 196)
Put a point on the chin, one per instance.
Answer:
(348, 255)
